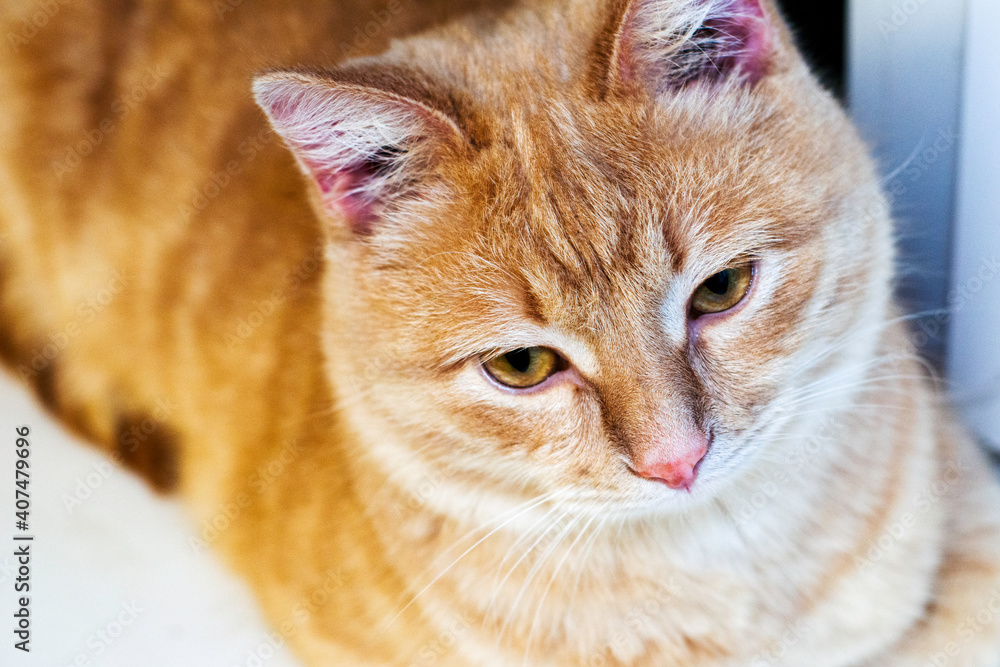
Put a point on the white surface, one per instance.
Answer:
(974, 355)
(121, 546)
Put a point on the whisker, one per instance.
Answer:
(555, 573)
(464, 554)
(531, 531)
(534, 571)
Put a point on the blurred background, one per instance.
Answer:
(921, 79)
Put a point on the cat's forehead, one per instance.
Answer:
(606, 209)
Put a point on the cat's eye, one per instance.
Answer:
(723, 291)
(523, 368)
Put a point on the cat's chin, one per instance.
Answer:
(651, 500)
(670, 501)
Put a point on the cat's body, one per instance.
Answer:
(170, 291)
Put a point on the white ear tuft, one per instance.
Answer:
(359, 144)
(666, 44)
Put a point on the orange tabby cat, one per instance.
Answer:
(558, 334)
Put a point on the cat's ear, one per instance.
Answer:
(362, 146)
(666, 44)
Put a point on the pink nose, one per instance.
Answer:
(678, 470)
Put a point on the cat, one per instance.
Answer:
(557, 333)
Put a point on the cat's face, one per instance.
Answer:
(618, 299)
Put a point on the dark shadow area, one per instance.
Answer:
(820, 30)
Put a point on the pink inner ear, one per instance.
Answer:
(346, 191)
(351, 142)
(734, 40)
(349, 188)
(747, 26)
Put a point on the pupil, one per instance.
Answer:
(719, 283)
(520, 360)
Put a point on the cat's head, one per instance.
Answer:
(599, 253)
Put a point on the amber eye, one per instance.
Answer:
(523, 368)
(723, 291)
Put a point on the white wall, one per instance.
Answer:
(904, 83)
(924, 87)
(974, 345)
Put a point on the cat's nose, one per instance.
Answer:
(676, 464)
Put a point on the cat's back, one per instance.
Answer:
(104, 98)
(149, 218)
